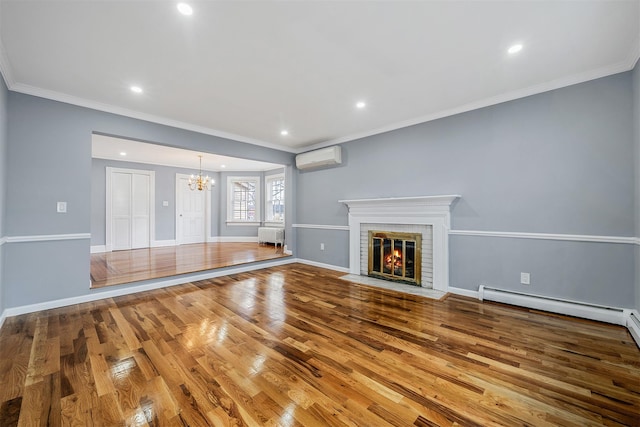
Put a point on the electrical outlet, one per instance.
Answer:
(62, 207)
(525, 278)
(322, 246)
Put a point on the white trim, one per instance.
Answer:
(3, 240)
(619, 67)
(267, 179)
(47, 237)
(550, 236)
(73, 100)
(156, 284)
(243, 223)
(163, 243)
(464, 292)
(207, 210)
(322, 226)
(323, 265)
(419, 210)
(633, 325)
(273, 224)
(258, 197)
(3, 316)
(615, 315)
(98, 249)
(232, 239)
(152, 202)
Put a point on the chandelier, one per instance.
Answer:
(198, 182)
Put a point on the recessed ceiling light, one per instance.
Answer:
(515, 48)
(223, 166)
(136, 89)
(122, 153)
(185, 9)
(361, 104)
(284, 132)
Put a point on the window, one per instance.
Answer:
(274, 203)
(243, 195)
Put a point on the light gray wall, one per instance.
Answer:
(165, 190)
(636, 138)
(3, 180)
(558, 162)
(49, 153)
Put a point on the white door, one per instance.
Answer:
(191, 212)
(129, 210)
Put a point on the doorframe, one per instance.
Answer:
(152, 198)
(207, 210)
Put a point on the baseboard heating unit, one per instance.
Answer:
(601, 313)
(633, 324)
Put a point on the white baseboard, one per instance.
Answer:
(633, 325)
(232, 239)
(323, 265)
(463, 292)
(2, 317)
(98, 249)
(581, 309)
(162, 243)
(150, 285)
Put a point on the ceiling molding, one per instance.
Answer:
(94, 105)
(5, 67)
(620, 67)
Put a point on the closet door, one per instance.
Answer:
(129, 208)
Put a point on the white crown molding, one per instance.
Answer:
(94, 105)
(549, 236)
(322, 226)
(622, 66)
(5, 67)
(47, 237)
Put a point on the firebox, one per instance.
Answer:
(395, 256)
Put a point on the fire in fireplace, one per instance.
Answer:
(395, 256)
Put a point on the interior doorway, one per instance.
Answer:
(193, 212)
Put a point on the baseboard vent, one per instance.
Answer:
(601, 313)
(633, 325)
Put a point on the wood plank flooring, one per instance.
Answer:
(115, 268)
(297, 346)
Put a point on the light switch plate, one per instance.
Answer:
(62, 207)
(165, 203)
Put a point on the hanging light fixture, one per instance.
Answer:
(199, 182)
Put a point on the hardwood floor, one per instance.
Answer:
(115, 268)
(297, 346)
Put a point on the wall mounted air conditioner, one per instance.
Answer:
(317, 158)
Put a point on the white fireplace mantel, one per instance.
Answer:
(422, 210)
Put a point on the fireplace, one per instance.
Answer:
(395, 256)
(428, 215)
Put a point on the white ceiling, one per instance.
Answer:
(107, 147)
(248, 69)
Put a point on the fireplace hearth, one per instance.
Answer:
(395, 256)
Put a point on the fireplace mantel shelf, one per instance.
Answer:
(413, 200)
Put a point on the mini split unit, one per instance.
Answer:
(323, 157)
